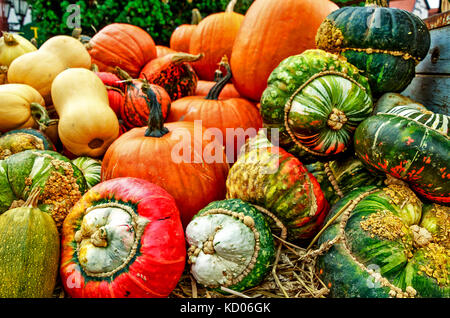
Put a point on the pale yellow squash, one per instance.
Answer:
(39, 68)
(87, 125)
(12, 46)
(17, 101)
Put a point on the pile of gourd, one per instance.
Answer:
(117, 176)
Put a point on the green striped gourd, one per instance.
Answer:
(386, 243)
(316, 100)
(91, 169)
(390, 100)
(410, 144)
(385, 43)
(231, 245)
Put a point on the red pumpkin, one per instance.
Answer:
(174, 73)
(135, 108)
(115, 90)
(123, 238)
(162, 50)
(181, 36)
(124, 45)
(237, 114)
(214, 37)
(278, 30)
(176, 156)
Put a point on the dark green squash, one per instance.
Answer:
(91, 169)
(231, 245)
(385, 43)
(383, 247)
(410, 144)
(316, 100)
(29, 253)
(60, 182)
(390, 100)
(18, 140)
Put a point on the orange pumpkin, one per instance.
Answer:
(162, 50)
(214, 37)
(181, 36)
(237, 114)
(175, 156)
(278, 30)
(124, 45)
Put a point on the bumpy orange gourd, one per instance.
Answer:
(87, 125)
(39, 68)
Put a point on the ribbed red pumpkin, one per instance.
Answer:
(237, 114)
(135, 108)
(176, 156)
(124, 45)
(162, 50)
(273, 30)
(214, 37)
(174, 73)
(123, 238)
(181, 36)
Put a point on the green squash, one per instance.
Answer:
(341, 176)
(390, 100)
(60, 182)
(91, 169)
(316, 100)
(385, 43)
(29, 253)
(231, 245)
(18, 140)
(389, 245)
(410, 144)
(274, 179)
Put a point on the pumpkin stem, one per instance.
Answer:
(215, 91)
(41, 117)
(76, 33)
(155, 118)
(181, 57)
(377, 3)
(123, 75)
(196, 16)
(100, 238)
(337, 119)
(9, 39)
(34, 42)
(94, 68)
(32, 199)
(230, 6)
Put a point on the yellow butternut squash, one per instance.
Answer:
(18, 103)
(87, 125)
(39, 68)
(12, 46)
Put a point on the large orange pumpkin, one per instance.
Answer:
(124, 45)
(162, 50)
(214, 37)
(273, 30)
(235, 118)
(181, 36)
(179, 157)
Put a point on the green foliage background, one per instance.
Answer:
(158, 17)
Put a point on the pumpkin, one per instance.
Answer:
(91, 169)
(316, 100)
(18, 140)
(341, 176)
(385, 43)
(39, 68)
(59, 181)
(410, 144)
(124, 45)
(390, 100)
(203, 87)
(272, 178)
(214, 37)
(135, 108)
(12, 46)
(87, 125)
(18, 102)
(176, 156)
(115, 88)
(162, 50)
(388, 245)
(174, 73)
(122, 239)
(230, 245)
(233, 116)
(29, 252)
(278, 29)
(181, 36)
